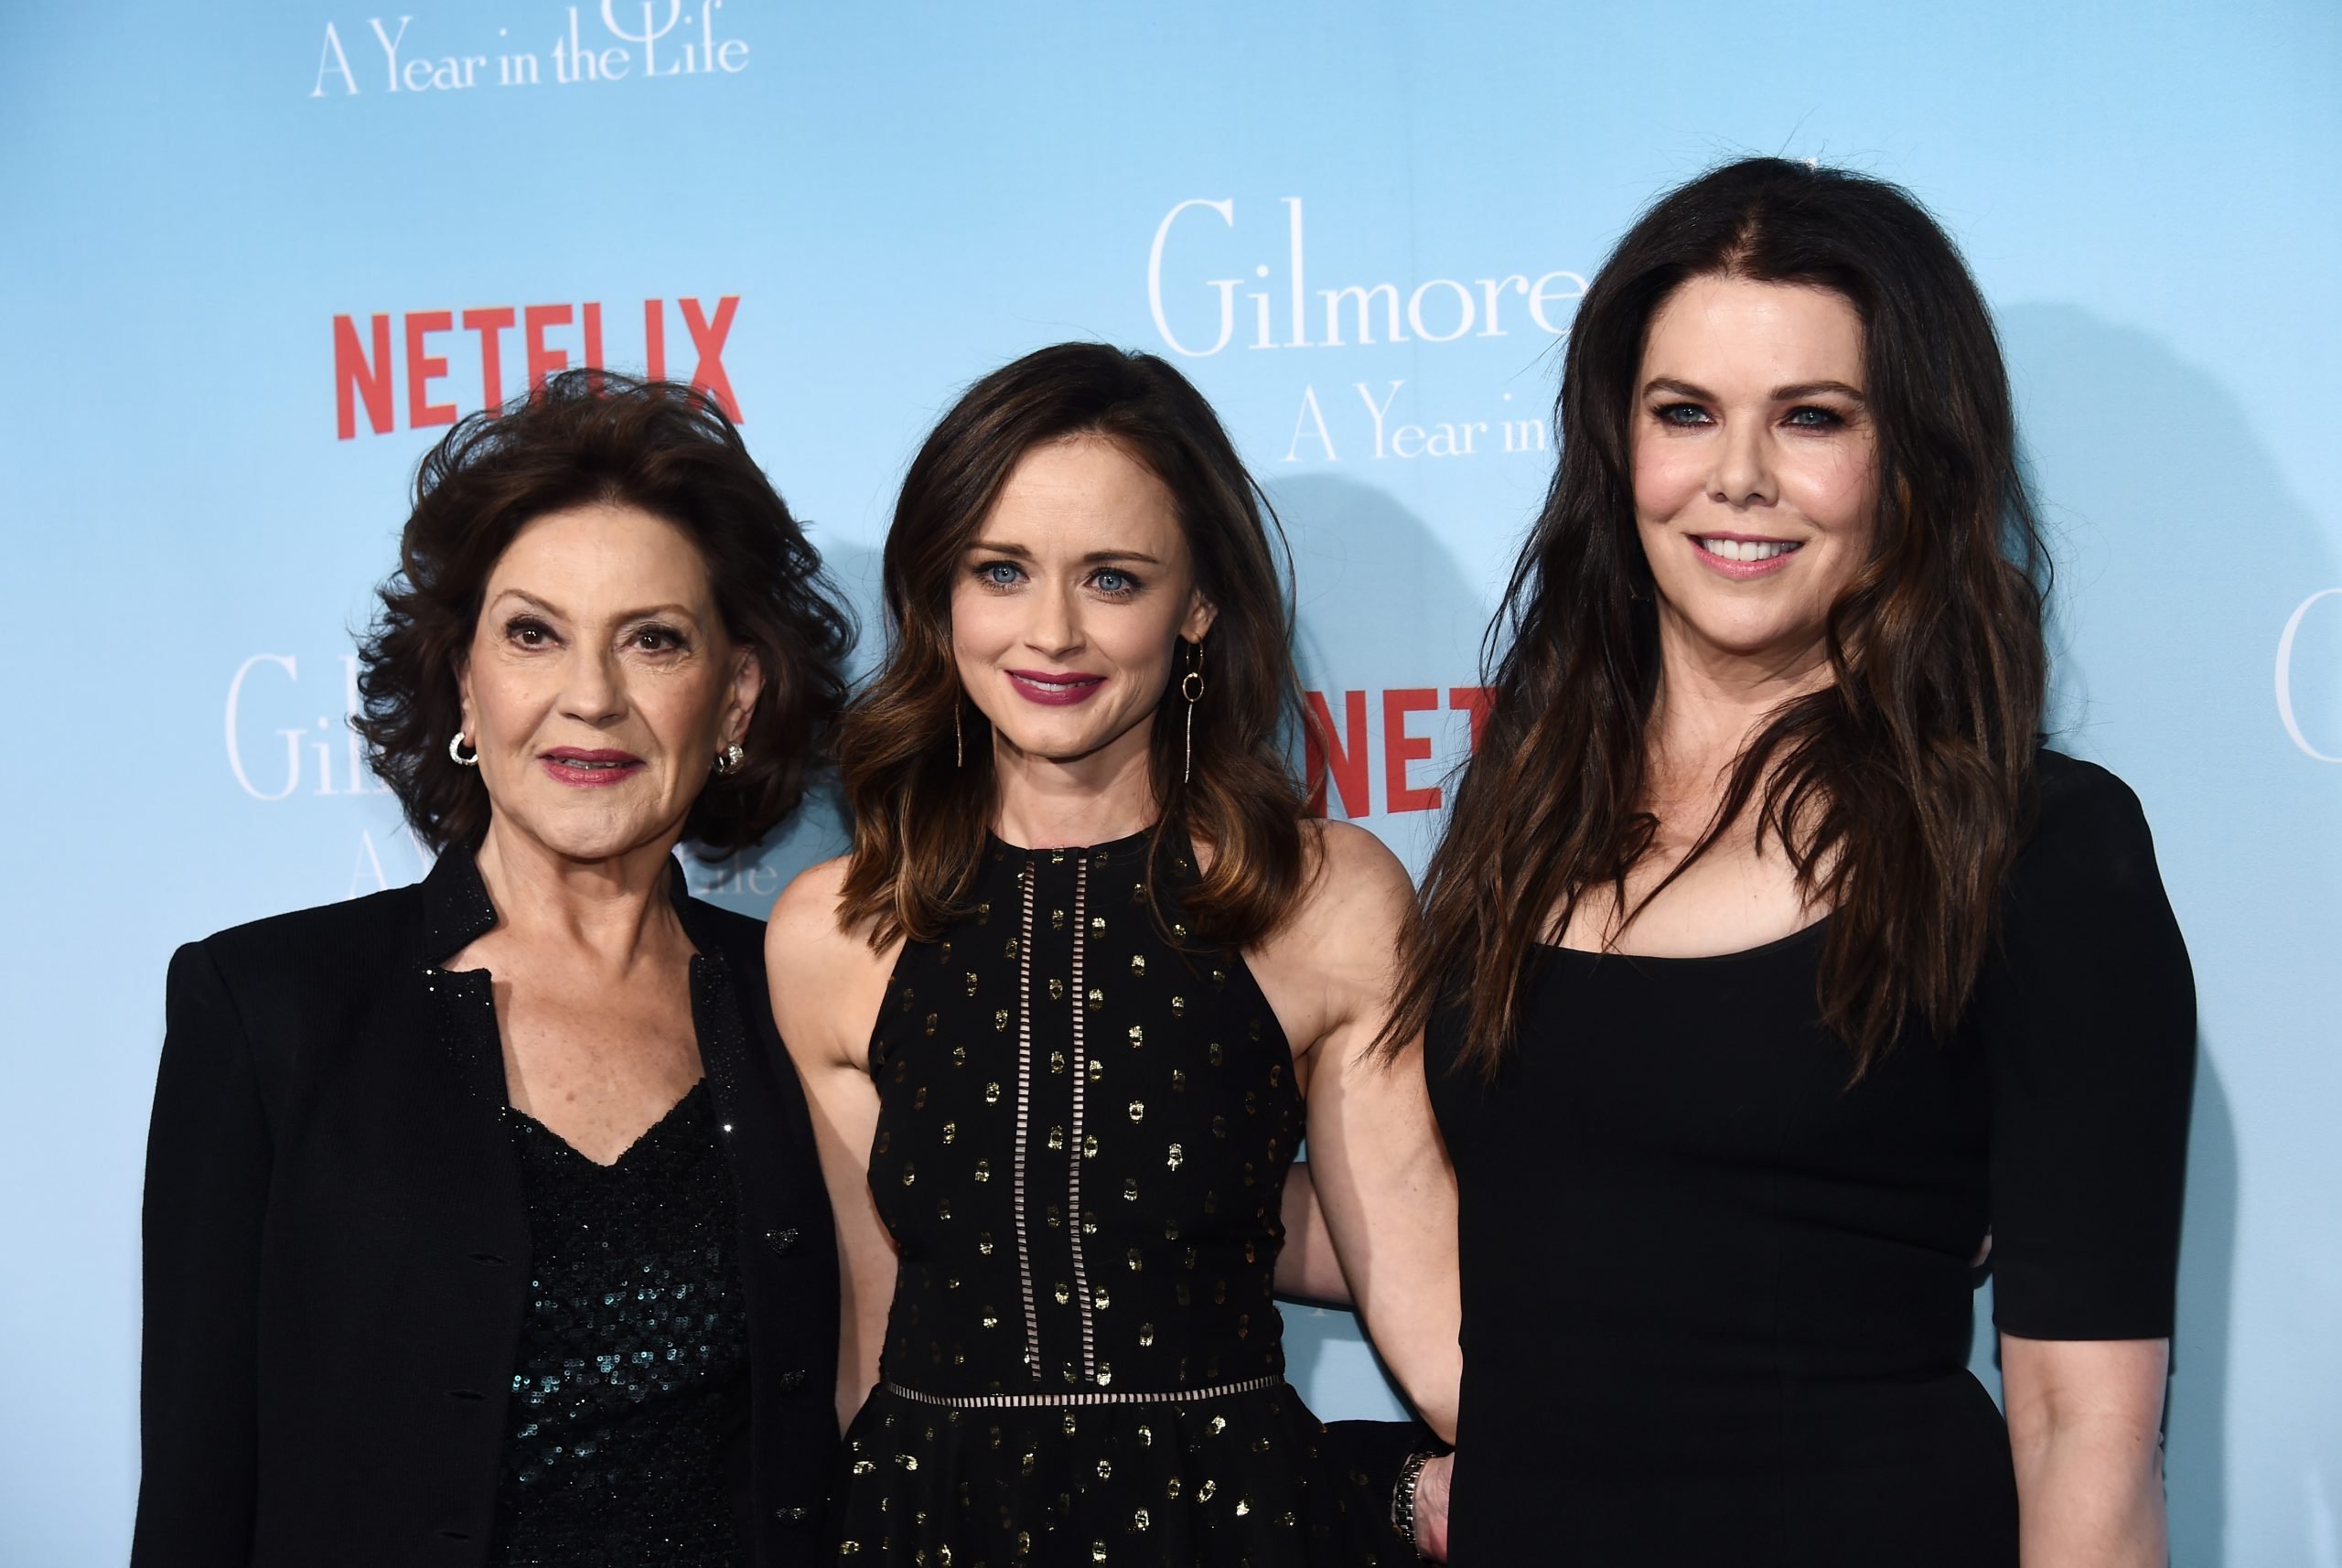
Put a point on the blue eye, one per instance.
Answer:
(1684, 413)
(1808, 417)
(999, 574)
(1117, 584)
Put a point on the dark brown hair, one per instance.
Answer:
(919, 819)
(594, 437)
(1900, 791)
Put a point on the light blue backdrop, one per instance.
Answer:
(900, 198)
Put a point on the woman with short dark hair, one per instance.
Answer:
(1068, 1009)
(1772, 968)
(483, 1220)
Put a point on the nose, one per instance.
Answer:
(1056, 627)
(593, 687)
(1744, 471)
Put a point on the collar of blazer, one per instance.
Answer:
(457, 911)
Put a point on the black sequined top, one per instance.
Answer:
(629, 1385)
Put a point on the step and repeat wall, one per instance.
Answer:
(256, 257)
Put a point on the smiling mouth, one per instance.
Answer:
(1747, 549)
(1054, 687)
(578, 765)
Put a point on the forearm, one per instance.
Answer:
(2091, 1496)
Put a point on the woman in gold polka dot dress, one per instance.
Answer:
(1069, 1008)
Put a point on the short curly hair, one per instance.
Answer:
(594, 437)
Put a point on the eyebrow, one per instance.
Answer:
(1779, 394)
(678, 612)
(1095, 558)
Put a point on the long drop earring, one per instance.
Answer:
(958, 740)
(1191, 686)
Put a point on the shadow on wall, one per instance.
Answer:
(1380, 606)
(1383, 606)
(748, 882)
(2179, 553)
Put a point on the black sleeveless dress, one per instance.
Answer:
(1083, 1134)
(1717, 1297)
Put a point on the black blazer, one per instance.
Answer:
(338, 1249)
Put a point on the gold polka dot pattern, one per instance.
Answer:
(1139, 1103)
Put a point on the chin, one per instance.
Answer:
(590, 835)
(1742, 639)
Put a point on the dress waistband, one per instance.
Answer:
(1082, 1396)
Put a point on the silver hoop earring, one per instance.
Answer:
(1191, 686)
(728, 760)
(455, 752)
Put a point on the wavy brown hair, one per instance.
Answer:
(920, 818)
(594, 437)
(1900, 791)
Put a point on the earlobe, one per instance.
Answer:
(1201, 613)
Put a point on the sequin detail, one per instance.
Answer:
(1036, 1410)
(632, 1371)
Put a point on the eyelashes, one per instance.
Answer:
(531, 633)
(1106, 582)
(1804, 416)
(657, 638)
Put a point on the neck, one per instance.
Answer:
(614, 906)
(1050, 803)
(1713, 701)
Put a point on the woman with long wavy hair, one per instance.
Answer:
(1068, 1008)
(1773, 975)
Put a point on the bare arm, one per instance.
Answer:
(1379, 1170)
(1308, 1268)
(827, 986)
(2085, 1420)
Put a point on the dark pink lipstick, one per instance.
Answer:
(583, 769)
(1055, 688)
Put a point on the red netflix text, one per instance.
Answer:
(370, 371)
(1336, 747)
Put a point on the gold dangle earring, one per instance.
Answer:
(1191, 686)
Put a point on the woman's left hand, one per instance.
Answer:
(1431, 1506)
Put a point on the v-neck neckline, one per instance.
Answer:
(673, 1113)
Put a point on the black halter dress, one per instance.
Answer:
(1085, 1124)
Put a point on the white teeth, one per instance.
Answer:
(1746, 549)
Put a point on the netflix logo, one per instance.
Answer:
(1337, 748)
(390, 374)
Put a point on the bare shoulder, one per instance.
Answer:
(1353, 873)
(827, 980)
(1352, 905)
(808, 906)
(1347, 849)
